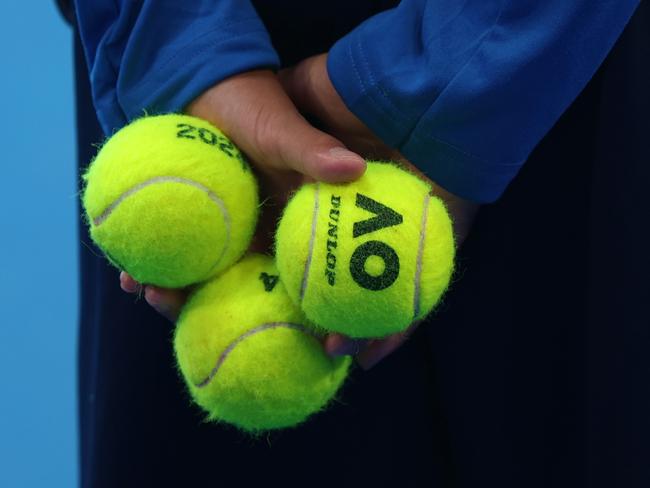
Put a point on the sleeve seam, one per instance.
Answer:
(486, 164)
(413, 122)
(374, 83)
(365, 88)
(486, 38)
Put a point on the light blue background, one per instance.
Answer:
(38, 249)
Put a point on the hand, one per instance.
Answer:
(309, 87)
(284, 150)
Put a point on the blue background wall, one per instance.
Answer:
(38, 242)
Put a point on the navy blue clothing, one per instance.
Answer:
(533, 374)
(465, 90)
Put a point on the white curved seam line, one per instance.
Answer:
(418, 264)
(173, 179)
(261, 328)
(312, 239)
(227, 223)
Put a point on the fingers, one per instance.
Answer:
(318, 155)
(340, 345)
(285, 141)
(167, 302)
(378, 349)
(128, 284)
(368, 352)
(254, 110)
(310, 89)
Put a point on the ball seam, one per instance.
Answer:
(97, 221)
(418, 264)
(312, 239)
(256, 330)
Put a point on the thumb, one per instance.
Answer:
(301, 147)
(254, 110)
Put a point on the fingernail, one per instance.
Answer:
(128, 284)
(160, 307)
(342, 153)
(152, 296)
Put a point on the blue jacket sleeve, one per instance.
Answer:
(158, 55)
(465, 90)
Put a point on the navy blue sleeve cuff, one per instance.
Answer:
(457, 171)
(155, 56)
(466, 90)
(197, 66)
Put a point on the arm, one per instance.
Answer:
(465, 90)
(157, 56)
(209, 58)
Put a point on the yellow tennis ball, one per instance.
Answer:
(366, 258)
(170, 200)
(247, 355)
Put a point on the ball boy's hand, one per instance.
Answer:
(311, 90)
(284, 149)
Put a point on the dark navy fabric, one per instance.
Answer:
(464, 89)
(534, 372)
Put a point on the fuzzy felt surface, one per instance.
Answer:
(369, 257)
(170, 200)
(246, 354)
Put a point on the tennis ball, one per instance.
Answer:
(170, 200)
(366, 258)
(247, 355)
